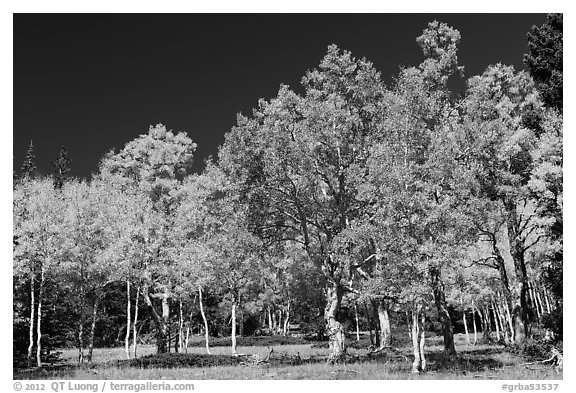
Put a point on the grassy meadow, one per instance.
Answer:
(294, 359)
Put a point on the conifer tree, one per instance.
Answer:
(29, 166)
(544, 60)
(61, 167)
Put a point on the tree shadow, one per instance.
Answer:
(482, 352)
(474, 361)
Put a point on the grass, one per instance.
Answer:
(295, 361)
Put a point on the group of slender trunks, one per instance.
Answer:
(511, 322)
(497, 314)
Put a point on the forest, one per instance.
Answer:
(342, 209)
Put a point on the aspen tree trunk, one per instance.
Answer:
(81, 327)
(408, 316)
(206, 335)
(334, 328)
(485, 318)
(384, 319)
(187, 338)
(166, 317)
(517, 251)
(501, 320)
(370, 324)
(508, 318)
(159, 320)
(128, 318)
(547, 298)
(274, 323)
(279, 323)
(474, 324)
(134, 331)
(540, 303)
(415, 345)
(508, 323)
(496, 321)
(286, 321)
(180, 326)
(357, 322)
(39, 321)
(418, 341)
(421, 321)
(375, 322)
(32, 312)
(270, 325)
(500, 328)
(489, 318)
(533, 299)
(440, 299)
(466, 332)
(233, 321)
(519, 330)
(505, 326)
(464, 320)
(169, 339)
(498, 315)
(93, 328)
(501, 265)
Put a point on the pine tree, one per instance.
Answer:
(29, 166)
(61, 168)
(544, 59)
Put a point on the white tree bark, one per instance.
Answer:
(128, 320)
(334, 328)
(93, 328)
(39, 321)
(533, 301)
(539, 302)
(421, 321)
(233, 321)
(81, 327)
(187, 337)
(32, 312)
(180, 326)
(385, 330)
(496, 321)
(547, 298)
(357, 322)
(206, 335)
(134, 331)
(286, 320)
(418, 341)
(508, 318)
(415, 347)
(474, 324)
(464, 320)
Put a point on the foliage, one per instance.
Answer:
(29, 165)
(61, 167)
(544, 59)
(181, 360)
(349, 192)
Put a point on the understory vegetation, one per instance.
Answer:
(269, 359)
(351, 231)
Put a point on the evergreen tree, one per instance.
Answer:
(61, 168)
(544, 60)
(29, 166)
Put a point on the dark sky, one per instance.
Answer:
(93, 82)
